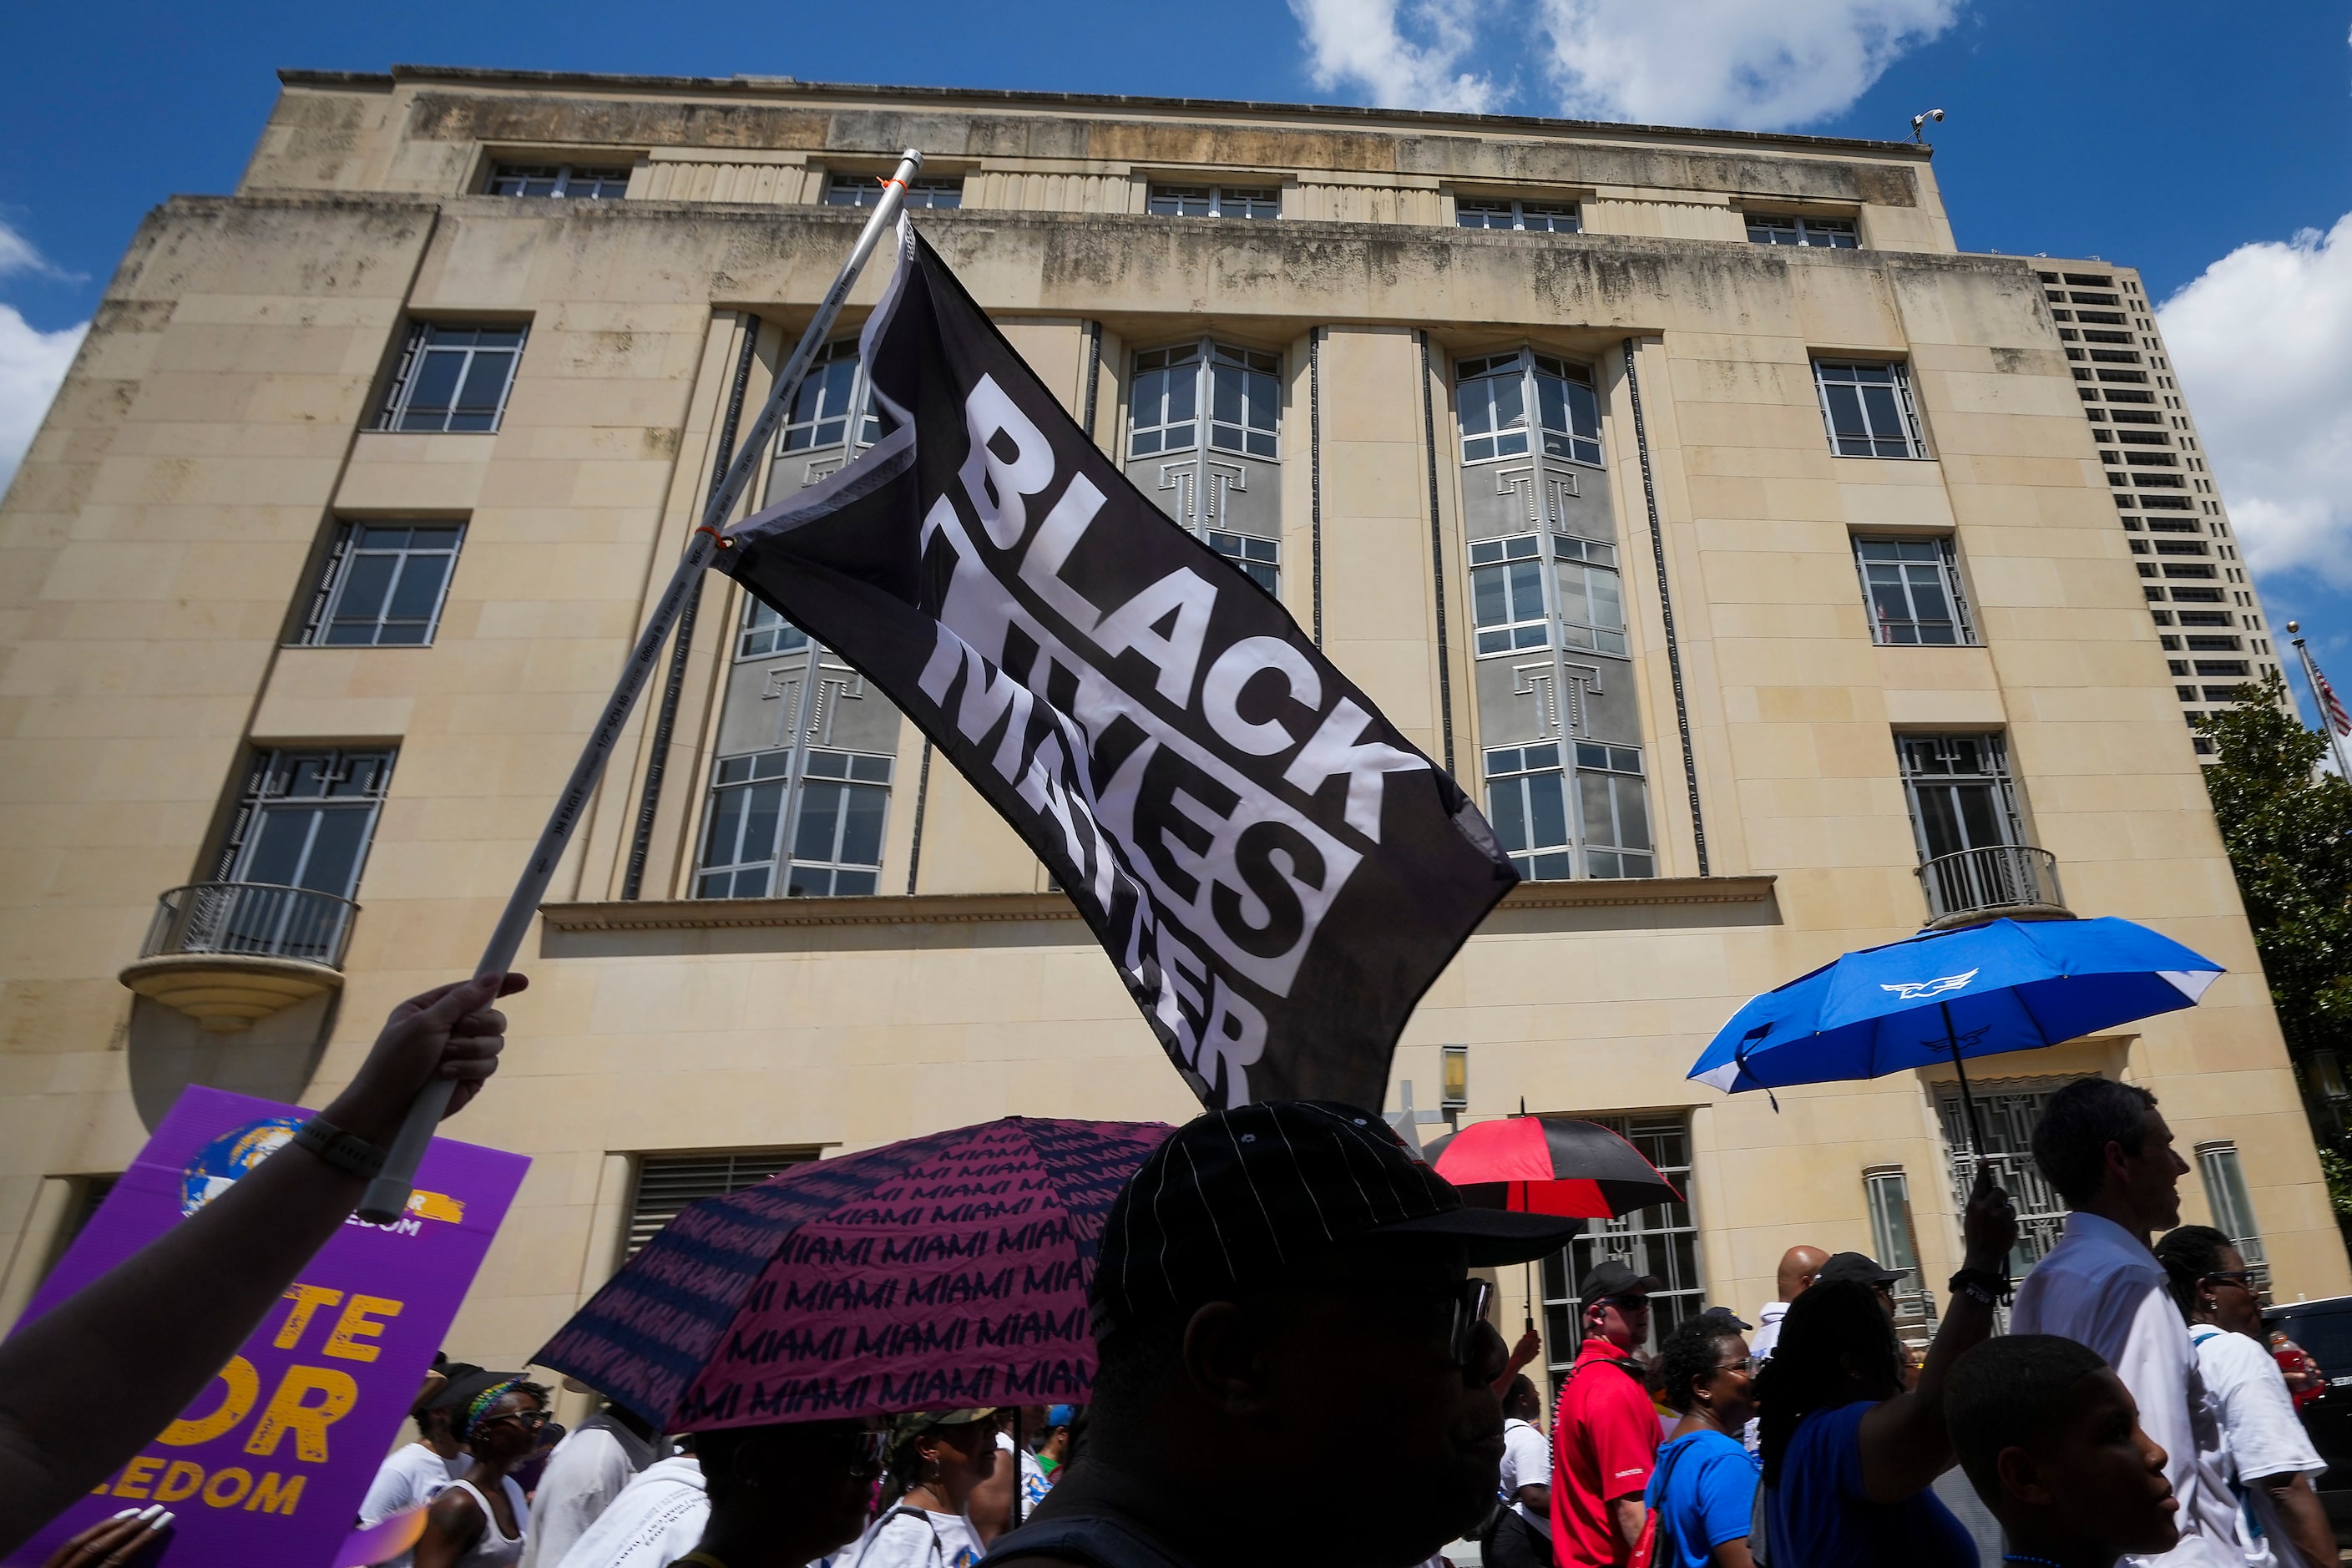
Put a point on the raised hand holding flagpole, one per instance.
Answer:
(387, 1194)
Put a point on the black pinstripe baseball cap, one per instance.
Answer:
(1236, 1197)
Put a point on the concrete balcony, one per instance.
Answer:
(1978, 885)
(228, 955)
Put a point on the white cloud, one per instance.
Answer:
(1361, 45)
(19, 254)
(32, 363)
(2263, 343)
(1736, 63)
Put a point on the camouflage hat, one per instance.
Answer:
(904, 1428)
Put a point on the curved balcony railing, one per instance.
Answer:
(2000, 878)
(256, 920)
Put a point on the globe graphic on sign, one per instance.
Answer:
(216, 1167)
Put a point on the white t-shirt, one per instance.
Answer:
(1766, 1337)
(657, 1519)
(2260, 1434)
(411, 1475)
(915, 1538)
(1526, 1462)
(582, 1476)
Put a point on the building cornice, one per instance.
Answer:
(978, 909)
(788, 88)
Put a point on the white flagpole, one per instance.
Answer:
(2319, 688)
(387, 1194)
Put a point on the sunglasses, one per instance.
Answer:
(2244, 1278)
(531, 1420)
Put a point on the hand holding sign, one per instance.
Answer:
(112, 1542)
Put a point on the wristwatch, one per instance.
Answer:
(346, 1152)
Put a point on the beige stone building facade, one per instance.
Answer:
(1742, 545)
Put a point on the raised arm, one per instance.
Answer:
(89, 1382)
(1904, 1444)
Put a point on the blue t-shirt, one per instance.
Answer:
(1818, 1515)
(1704, 1492)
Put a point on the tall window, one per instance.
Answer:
(1508, 607)
(1662, 1241)
(1547, 217)
(1613, 811)
(383, 584)
(765, 632)
(1214, 201)
(590, 181)
(667, 1183)
(453, 378)
(1896, 1244)
(764, 837)
(1242, 388)
(305, 819)
(865, 191)
(833, 395)
(1913, 589)
(1961, 793)
(1776, 229)
(1528, 802)
(2233, 1206)
(1867, 403)
(1492, 396)
(1259, 559)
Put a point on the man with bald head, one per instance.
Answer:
(1800, 1265)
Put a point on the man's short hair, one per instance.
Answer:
(2008, 1393)
(2070, 1143)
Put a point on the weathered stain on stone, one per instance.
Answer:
(527, 119)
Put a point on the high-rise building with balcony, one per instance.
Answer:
(1738, 542)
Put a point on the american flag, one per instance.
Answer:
(2337, 719)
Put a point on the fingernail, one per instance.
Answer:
(126, 1513)
(164, 1523)
(150, 1510)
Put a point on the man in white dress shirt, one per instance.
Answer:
(2106, 1147)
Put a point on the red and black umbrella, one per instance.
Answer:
(1549, 1164)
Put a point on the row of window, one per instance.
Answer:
(610, 183)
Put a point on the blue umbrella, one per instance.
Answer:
(1943, 995)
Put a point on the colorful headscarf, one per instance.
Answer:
(484, 1400)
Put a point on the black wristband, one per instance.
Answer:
(1982, 1284)
(346, 1152)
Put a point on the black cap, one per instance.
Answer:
(1235, 1197)
(1856, 1266)
(1728, 1318)
(1611, 1278)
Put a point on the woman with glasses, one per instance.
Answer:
(2280, 1520)
(479, 1521)
(1704, 1489)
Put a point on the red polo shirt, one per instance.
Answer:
(1604, 1443)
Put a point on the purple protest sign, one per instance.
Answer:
(270, 1462)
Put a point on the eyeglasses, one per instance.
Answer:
(2244, 1278)
(1745, 1364)
(531, 1420)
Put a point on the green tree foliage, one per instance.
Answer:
(2288, 831)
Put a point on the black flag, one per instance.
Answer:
(1276, 872)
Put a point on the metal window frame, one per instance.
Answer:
(564, 175)
(1948, 565)
(750, 626)
(2001, 778)
(780, 859)
(266, 772)
(860, 412)
(1831, 228)
(1518, 207)
(1217, 194)
(1586, 843)
(339, 554)
(403, 378)
(1573, 371)
(2010, 1108)
(1562, 769)
(1650, 1247)
(1886, 1193)
(1555, 552)
(865, 191)
(1546, 611)
(1914, 434)
(1250, 555)
(1204, 352)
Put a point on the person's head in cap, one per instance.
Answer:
(790, 1493)
(1864, 1269)
(1615, 1303)
(1283, 1297)
(938, 1456)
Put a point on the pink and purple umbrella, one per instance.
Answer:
(940, 1272)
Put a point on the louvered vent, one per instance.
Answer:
(667, 1183)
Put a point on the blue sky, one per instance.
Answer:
(2194, 142)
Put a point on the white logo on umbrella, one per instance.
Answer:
(1920, 990)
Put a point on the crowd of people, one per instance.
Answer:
(1297, 1362)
